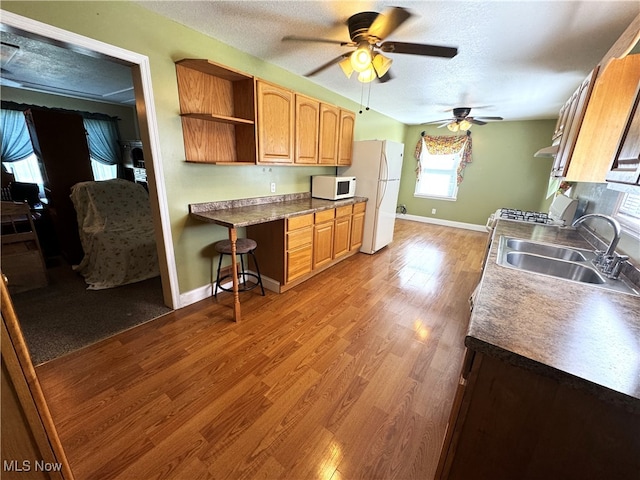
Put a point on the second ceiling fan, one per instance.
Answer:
(367, 31)
(461, 120)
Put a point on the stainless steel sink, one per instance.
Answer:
(573, 264)
(545, 250)
(554, 267)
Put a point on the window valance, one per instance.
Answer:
(446, 145)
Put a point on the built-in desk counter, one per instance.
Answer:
(246, 212)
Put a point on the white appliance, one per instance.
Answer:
(377, 165)
(561, 213)
(332, 187)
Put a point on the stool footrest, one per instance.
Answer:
(242, 285)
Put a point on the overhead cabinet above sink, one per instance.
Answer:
(232, 118)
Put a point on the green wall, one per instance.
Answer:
(504, 172)
(134, 28)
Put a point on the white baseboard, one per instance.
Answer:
(206, 291)
(446, 223)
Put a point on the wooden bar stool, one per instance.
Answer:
(244, 246)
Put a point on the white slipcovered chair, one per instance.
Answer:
(116, 232)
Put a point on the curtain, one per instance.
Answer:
(446, 145)
(103, 140)
(16, 143)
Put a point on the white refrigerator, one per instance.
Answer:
(377, 165)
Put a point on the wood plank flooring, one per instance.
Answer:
(350, 375)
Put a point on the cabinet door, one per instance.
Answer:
(275, 123)
(357, 226)
(626, 164)
(342, 232)
(571, 128)
(322, 244)
(345, 146)
(604, 120)
(329, 125)
(307, 129)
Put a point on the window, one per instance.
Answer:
(27, 171)
(628, 213)
(441, 163)
(437, 176)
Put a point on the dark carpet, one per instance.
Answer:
(65, 316)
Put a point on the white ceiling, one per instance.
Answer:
(519, 59)
(516, 59)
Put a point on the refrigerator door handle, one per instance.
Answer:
(382, 189)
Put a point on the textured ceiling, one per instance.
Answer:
(44, 67)
(517, 59)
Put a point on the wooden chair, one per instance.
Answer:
(22, 260)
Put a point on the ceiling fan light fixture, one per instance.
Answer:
(361, 57)
(381, 64)
(465, 124)
(453, 126)
(346, 67)
(367, 75)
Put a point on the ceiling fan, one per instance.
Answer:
(367, 31)
(462, 121)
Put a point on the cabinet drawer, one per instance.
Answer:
(325, 215)
(301, 221)
(299, 237)
(299, 262)
(343, 211)
(359, 207)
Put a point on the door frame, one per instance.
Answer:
(147, 121)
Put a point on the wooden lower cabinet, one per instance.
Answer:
(294, 249)
(299, 246)
(342, 231)
(357, 226)
(323, 230)
(510, 422)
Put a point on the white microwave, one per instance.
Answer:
(332, 188)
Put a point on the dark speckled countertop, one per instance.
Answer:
(578, 333)
(252, 211)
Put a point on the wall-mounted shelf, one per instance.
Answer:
(217, 108)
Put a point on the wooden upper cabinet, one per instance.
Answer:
(345, 144)
(276, 109)
(329, 131)
(626, 163)
(307, 129)
(604, 120)
(573, 114)
(218, 113)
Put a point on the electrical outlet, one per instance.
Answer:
(433, 211)
(273, 187)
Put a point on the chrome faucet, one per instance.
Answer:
(608, 262)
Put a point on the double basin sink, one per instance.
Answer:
(574, 264)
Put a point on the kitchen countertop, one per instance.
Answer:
(252, 211)
(577, 333)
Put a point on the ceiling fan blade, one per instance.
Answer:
(488, 118)
(295, 38)
(387, 21)
(445, 120)
(475, 121)
(328, 64)
(419, 49)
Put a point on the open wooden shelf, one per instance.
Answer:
(217, 108)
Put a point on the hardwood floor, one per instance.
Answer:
(350, 375)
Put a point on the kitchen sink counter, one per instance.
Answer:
(252, 211)
(577, 333)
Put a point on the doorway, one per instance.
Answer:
(146, 119)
